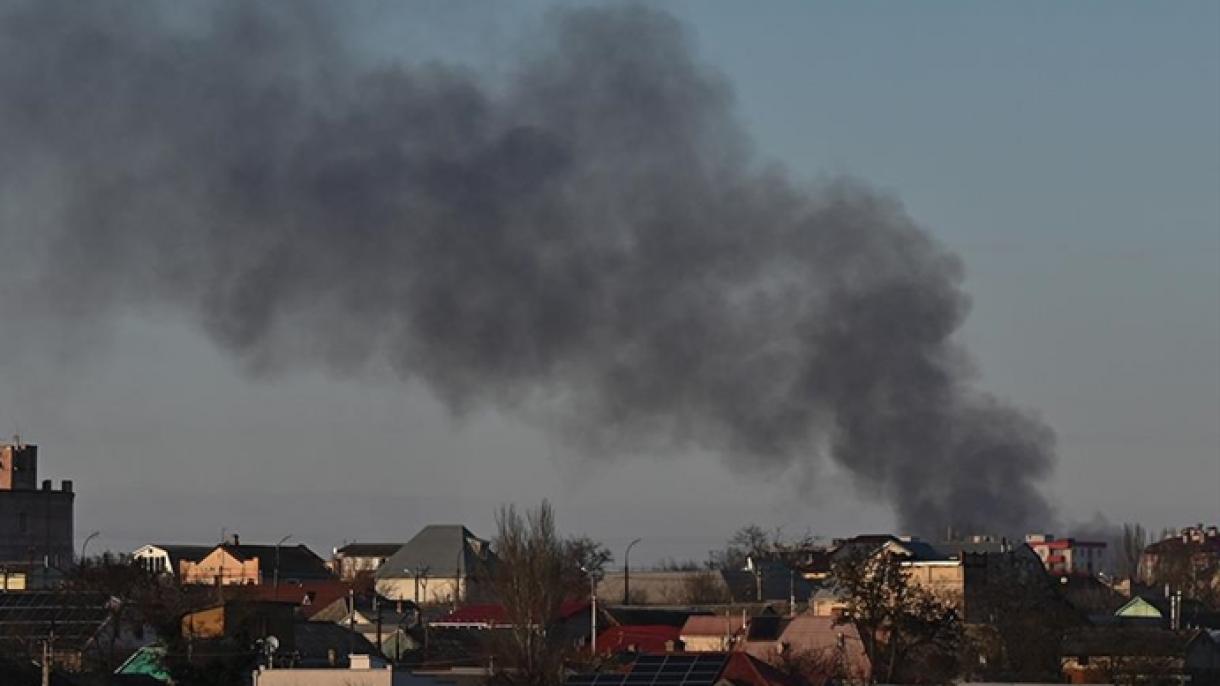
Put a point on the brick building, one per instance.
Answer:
(35, 521)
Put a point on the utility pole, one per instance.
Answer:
(47, 656)
(85, 546)
(46, 663)
(377, 611)
(351, 620)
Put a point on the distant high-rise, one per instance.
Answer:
(36, 524)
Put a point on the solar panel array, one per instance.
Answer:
(660, 670)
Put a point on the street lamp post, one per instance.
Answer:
(276, 574)
(627, 572)
(85, 546)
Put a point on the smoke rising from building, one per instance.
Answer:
(594, 236)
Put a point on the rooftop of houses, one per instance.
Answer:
(1133, 641)
(368, 550)
(439, 550)
(713, 625)
(691, 669)
(293, 562)
(639, 638)
(1196, 539)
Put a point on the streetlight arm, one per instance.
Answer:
(627, 572)
(84, 546)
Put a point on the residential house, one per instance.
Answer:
(242, 619)
(163, 558)
(148, 662)
(963, 573)
(812, 562)
(828, 601)
(815, 646)
(712, 633)
(442, 564)
(235, 625)
(1090, 596)
(691, 669)
(640, 638)
(388, 624)
(1129, 655)
(1159, 611)
(642, 629)
(236, 564)
(643, 615)
(984, 566)
(309, 597)
(354, 558)
(1068, 556)
(1193, 551)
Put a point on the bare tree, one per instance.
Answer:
(1195, 573)
(750, 540)
(910, 635)
(1131, 546)
(536, 571)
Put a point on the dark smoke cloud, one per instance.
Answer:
(594, 234)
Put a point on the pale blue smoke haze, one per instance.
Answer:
(1068, 152)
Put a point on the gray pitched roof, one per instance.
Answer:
(177, 553)
(438, 550)
(368, 549)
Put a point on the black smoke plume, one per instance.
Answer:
(594, 234)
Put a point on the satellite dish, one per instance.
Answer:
(272, 643)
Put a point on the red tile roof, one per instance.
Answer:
(743, 668)
(646, 638)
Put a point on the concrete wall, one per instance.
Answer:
(36, 524)
(945, 581)
(348, 567)
(435, 590)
